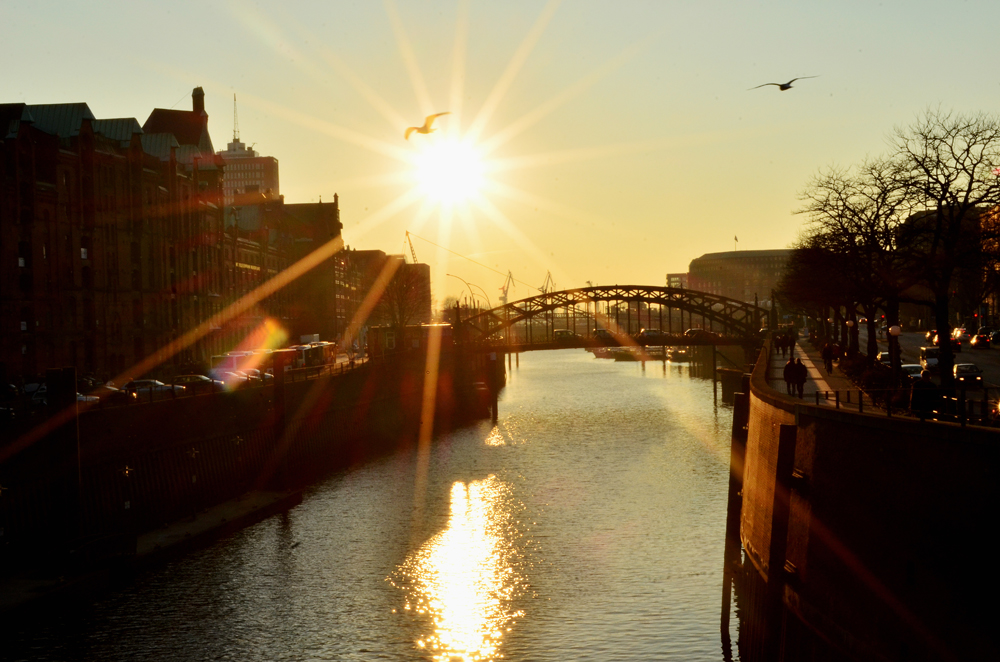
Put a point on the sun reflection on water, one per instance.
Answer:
(464, 580)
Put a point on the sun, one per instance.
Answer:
(449, 172)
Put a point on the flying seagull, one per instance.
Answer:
(784, 86)
(426, 128)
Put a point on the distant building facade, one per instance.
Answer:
(247, 172)
(108, 234)
(677, 280)
(116, 241)
(740, 275)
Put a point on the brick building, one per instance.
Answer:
(116, 240)
(740, 275)
(108, 234)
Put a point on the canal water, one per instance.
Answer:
(588, 524)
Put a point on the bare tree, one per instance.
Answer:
(854, 215)
(406, 298)
(949, 162)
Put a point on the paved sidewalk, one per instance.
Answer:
(819, 380)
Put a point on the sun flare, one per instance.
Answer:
(449, 172)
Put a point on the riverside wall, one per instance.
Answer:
(81, 493)
(865, 537)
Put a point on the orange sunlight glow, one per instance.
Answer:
(464, 581)
(449, 171)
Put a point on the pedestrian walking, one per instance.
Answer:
(827, 354)
(801, 375)
(790, 375)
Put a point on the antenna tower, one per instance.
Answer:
(236, 122)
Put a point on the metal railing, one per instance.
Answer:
(941, 405)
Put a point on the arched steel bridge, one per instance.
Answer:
(611, 306)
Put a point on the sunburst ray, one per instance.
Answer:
(523, 241)
(513, 68)
(546, 108)
(409, 58)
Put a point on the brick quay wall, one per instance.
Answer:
(80, 494)
(865, 537)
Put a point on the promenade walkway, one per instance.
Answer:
(819, 380)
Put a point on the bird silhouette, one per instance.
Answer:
(426, 128)
(784, 86)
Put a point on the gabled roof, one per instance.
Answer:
(188, 127)
(60, 119)
(120, 129)
(158, 144)
(11, 116)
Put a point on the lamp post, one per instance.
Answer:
(852, 337)
(894, 332)
(471, 292)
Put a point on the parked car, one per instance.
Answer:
(565, 336)
(146, 388)
(652, 336)
(605, 337)
(911, 370)
(929, 358)
(956, 344)
(200, 382)
(968, 375)
(256, 374)
(980, 341)
(40, 397)
(883, 358)
(235, 379)
(112, 395)
(995, 337)
(962, 336)
(702, 335)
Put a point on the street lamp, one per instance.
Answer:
(469, 285)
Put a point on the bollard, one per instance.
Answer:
(837, 394)
(817, 398)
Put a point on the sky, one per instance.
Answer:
(606, 142)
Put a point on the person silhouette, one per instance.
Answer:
(801, 375)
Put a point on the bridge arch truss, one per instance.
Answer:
(603, 304)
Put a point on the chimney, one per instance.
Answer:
(198, 100)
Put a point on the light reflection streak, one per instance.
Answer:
(464, 581)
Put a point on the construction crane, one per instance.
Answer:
(549, 285)
(506, 286)
(412, 252)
